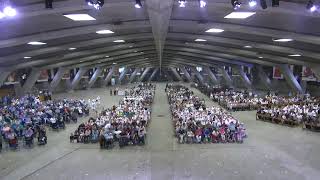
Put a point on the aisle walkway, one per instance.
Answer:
(160, 137)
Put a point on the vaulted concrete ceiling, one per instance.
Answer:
(159, 34)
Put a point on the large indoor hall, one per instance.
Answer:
(159, 89)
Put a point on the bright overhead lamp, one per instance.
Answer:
(114, 63)
(247, 46)
(200, 40)
(214, 30)
(138, 4)
(2, 15)
(36, 43)
(282, 40)
(239, 15)
(182, 3)
(294, 55)
(80, 17)
(107, 56)
(27, 57)
(202, 3)
(311, 6)
(119, 41)
(252, 3)
(105, 31)
(260, 57)
(72, 48)
(9, 11)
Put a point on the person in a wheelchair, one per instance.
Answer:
(28, 136)
(42, 135)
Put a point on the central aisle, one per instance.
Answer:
(160, 136)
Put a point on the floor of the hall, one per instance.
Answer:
(270, 152)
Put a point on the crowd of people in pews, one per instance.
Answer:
(25, 118)
(196, 123)
(236, 100)
(125, 123)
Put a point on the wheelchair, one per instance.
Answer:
(28, 141)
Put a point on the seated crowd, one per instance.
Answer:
(196, 123)
(25, 118)
(236, 100)
(125, 123)
(295, 114)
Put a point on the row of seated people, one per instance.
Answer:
(17, 115)
(236, 100)
(307, 114)
(196, 123)
(125, 123)
(276, 100)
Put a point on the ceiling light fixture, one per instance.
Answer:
(236, 4)
(202, 3)
(252, 3)
(260, 57)
(27, 57)
(138, 4)
(36, 43)
(247, 46)
(215, 30)
(72, 48)
(119, 41)
(239, 15)
(294, 55)
(311, 6)
(97, 4)
(282, 40)
(80, 17)
(182, 3)
(9, 11)
(114, 63)
(107, 56)
(200, 40)
(105, 31)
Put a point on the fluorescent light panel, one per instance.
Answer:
(105, 31)
(200, 40)
(282, 40)
(295, 55)
(215, 30)
(71, 49)
(27, 57)
(80, 17)
(119, 41)
(247, 46)
(36, 43)
(239, 15)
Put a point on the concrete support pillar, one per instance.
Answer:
(144, 74)
(94, 77)
(78, 77)
(291, 80)
(133, 75)
(263, 77)
(316, 71)
(3, 77)
(122, 75)
(211, 75)
(197, 73)
(57, 78)
(170, 79)
(109, 76)
(174, 70)
(244, 77)
(31, 80)
(153, 74)
(226, 77)
(186, 74)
